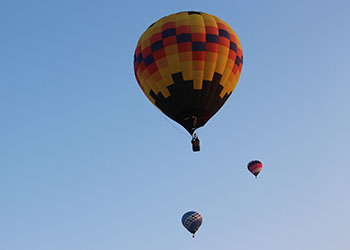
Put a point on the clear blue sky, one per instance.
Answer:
(88, 163)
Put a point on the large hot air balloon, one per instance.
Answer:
(255, 167)
(188, 64)
(192, 221)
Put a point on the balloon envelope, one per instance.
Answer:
(192, 221)
(188, 64)
(255, 167)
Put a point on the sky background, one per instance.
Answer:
(88, 163)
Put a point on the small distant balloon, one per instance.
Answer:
(192, 221)
(255, 167)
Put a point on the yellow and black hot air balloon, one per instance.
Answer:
(188, 64)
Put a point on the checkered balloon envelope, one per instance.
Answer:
(192, 221)
(188, 64)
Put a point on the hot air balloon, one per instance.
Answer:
(188, 64)
(192, 221)
(255, 167)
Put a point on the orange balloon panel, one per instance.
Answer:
(188, 64)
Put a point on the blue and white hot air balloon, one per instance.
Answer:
(192, 221)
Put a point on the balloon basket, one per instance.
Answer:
(195, 146)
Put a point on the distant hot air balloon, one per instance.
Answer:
(255, 167)
(188, 64)
(192, 221)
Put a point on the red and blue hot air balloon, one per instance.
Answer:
(192, 221)
(255, 167)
